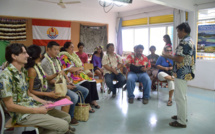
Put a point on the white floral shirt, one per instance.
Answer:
(111, 61)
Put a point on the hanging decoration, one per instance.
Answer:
(12, 29)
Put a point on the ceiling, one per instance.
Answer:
(94, 4)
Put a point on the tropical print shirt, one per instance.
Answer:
(14, 84)
(185, 69)
(67, 63)
(143, 61)
(111, 61)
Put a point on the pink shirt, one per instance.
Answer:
(83, 57)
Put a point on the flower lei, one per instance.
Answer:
(74, 58)
(42, 76)
(52, 64)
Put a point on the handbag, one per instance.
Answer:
(61, 86)
(136, 69)
(82, 109)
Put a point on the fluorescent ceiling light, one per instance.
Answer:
(115, 2)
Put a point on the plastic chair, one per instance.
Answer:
(9, 123)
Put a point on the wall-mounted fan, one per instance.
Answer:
(61, 3)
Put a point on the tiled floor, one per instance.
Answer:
(116, 116)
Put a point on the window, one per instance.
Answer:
(141, 37)
(156, 38)
(128, 39)
(147, 36)
(170, 32)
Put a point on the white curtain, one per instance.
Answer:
(179, 17)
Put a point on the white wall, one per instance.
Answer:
(186, 5)
(205, 72)
(36, 9)
(205, 75)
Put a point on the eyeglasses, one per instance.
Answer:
(168, 50)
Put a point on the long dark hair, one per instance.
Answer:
(96, 51)
(167, 38)
(34, 52)
(65, 46)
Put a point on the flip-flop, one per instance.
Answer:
(96, 106)
(169, 103)
(176, 124)
(91, 111)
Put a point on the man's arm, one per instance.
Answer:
(108, 68)
(176, 58)
(145, 68)
(11, 107)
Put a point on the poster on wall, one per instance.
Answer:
(206, 38)
(45, 31)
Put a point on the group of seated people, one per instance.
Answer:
(142, 69)
(28, 82)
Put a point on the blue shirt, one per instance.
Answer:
(162, 62)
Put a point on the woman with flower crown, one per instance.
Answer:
(97, 63)
(74, 69)
(38, 79)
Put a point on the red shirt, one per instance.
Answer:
(143, 61)
(83, 57)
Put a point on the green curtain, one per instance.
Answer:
(3, 45)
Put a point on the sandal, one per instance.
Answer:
(91, 111)
(96, 106)
(175, 118)
(176, 124)
(102, 90)
(169, 103)
(109, 91)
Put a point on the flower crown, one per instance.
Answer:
(98, 47)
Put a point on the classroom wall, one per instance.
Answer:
(75, 30)
(74, 13)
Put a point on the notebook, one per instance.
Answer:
(62, 102)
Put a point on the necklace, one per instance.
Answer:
(42, 76)
(52, 64)
(74, 58)
(116, 58)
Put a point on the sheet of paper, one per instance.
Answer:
(62, 102)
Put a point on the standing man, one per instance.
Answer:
(138, 65)
(183, 71)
